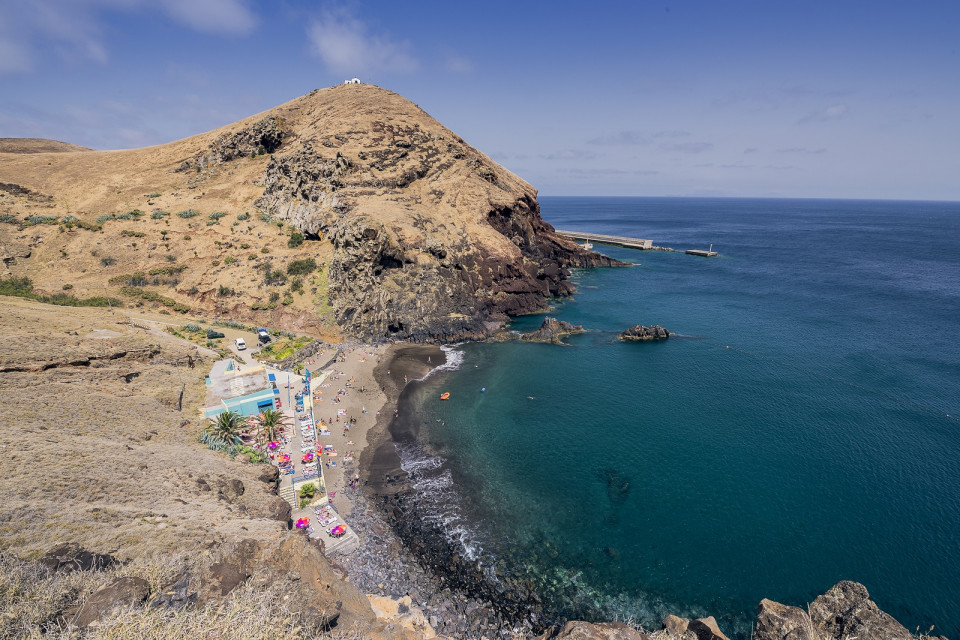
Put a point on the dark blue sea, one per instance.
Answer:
(800, 426)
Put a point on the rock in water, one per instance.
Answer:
(552, 330)
(642, 333)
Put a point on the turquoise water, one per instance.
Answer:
(792, 433)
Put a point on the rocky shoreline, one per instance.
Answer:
(403, 553)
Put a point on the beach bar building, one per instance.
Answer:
(245, 391)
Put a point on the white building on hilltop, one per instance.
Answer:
(352, 81)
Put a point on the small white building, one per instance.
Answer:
(352, 81)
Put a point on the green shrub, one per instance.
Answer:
(6, 218)
(153, 195)
(229, 260)
(274, 277)
(243, 216)
(225, 291)
(107, 261)
(192, 328)
(168, 271)
(216, 215)
(23, 288)
(287, 300)
(159, 215)
(67, 287)
(296, 239)
(266, 217)
(302, 267)
(274, 297)
(133, 234)
(34, 220)
(189, 213)
(106, 218)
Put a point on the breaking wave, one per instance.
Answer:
(437, 498)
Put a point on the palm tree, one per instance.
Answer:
(270, 423)
(298, 368)
(227, 426)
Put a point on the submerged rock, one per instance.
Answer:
(552, 330)
(642, 333)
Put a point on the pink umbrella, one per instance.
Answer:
(303, 523)
(273, 444)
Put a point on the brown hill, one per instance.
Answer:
(37, 145)
(415, 233)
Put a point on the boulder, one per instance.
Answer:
(642, 333)
(70, 557)
(121, 592)
(552, 330)
(845, 611)
(706, 629)
(777, 621)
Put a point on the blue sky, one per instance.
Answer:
(849, 99)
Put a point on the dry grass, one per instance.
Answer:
(33, 602)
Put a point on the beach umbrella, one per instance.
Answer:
(338, 530)
(303, 523)
(273, 444)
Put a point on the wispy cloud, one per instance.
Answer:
(636, 138)
(747, 152)
(74, 29)
(825, 115)
(458, 64)
(570, 154)
(803, 151)
(344, 45)
(230, 17)
(687, 147)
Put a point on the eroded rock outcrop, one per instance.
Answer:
(552, 330)
(641, 333)
(264, 136)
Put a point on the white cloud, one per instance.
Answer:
(825, 115)
(231, 17)
(344, 45)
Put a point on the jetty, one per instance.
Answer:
(630, 243)
(702, 253)
(617, 241)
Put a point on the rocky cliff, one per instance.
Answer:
(415, 233)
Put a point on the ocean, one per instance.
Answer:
(800, 426)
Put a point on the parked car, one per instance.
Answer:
(212, 335)
(263, 336)
(241, 344)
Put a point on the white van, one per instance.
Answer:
(241, 345)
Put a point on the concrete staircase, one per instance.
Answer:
(286, 492)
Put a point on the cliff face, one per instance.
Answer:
(431, 239)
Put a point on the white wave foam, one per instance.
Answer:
(438, 497)
(454, 359)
